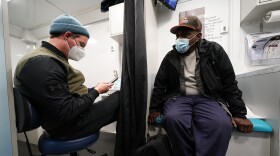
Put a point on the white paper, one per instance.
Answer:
(250, 114)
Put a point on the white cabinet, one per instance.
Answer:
(253, 11)
(116, 19)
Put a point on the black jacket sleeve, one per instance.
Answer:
(231, 93)
(160, 86)
(46, 80)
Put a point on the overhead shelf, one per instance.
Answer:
(253, 11)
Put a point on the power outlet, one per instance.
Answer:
(115, 73)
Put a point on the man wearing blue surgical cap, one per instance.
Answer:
(66, 107)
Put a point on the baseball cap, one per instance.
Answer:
(191, 22)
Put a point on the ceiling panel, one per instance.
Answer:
(31, 13)
(36, 15)
(76, 6)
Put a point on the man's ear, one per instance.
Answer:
(67, 34)
(199, 35)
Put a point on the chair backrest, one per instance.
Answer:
(26, 116)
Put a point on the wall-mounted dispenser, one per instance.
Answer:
(272, 16)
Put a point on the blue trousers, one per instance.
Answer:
(197, 126)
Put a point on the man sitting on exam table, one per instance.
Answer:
(196, 91)
(65, 106)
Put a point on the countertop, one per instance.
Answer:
(273, 69)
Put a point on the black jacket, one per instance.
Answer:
(217, 75)
(45, 78)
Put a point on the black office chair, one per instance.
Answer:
(27, 119)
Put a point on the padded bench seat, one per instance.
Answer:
(260, 125)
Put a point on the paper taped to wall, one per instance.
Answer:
(263, 48)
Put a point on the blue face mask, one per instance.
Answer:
(182, 45)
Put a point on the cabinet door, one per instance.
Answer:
(253, 11)
(116, 15)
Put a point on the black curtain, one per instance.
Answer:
(131, 125)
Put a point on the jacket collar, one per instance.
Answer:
(203, 48)
(53, 49)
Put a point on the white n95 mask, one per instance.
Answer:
(76, 53)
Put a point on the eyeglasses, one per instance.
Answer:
(81, 44)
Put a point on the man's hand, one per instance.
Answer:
(103, 87)
(243, 125)
(152, 117)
